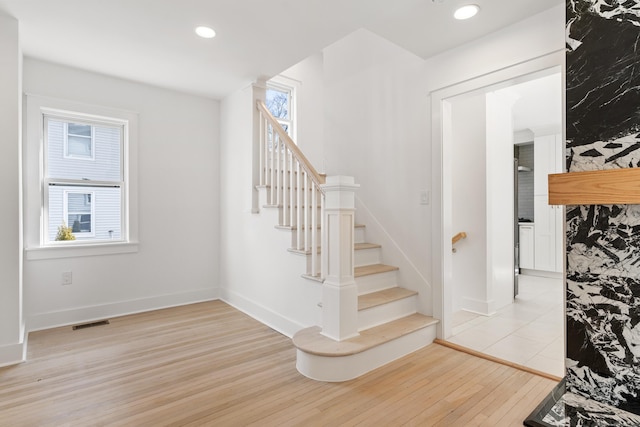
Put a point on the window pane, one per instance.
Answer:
(78, 203)
(80, 223)
(94, 211)
(79, 129)
(278, 103)
(104, 165)
(79, 146)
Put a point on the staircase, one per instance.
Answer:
(389, 326)
(377, 320)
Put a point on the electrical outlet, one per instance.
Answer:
(424, 197)
(67, 278)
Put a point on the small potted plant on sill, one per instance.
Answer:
(65, 233)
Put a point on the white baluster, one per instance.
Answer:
(314, 231)
(272, 184)
(323, 243)
(307, 225)
(278, 170)
(292, 194)
(285, 191)
(300, 207)
(261, 148)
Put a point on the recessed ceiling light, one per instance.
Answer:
(205, 32)
(466, 12)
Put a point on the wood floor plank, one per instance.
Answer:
(209, 364)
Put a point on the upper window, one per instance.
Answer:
(280, 101)
(85, 196)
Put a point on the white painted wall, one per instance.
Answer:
(11, 306)
(178, 162)
(258, 275)
(469, 202)
(376, 130)
(500, 199)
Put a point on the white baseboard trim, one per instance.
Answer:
(272, 319)
(13, 354)
(541, 273)
(54, 319)
(478, 306)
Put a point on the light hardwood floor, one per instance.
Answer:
(210, 365)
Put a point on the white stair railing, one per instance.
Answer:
(294, 185)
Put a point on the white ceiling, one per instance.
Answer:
(153, 40)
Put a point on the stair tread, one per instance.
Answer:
(270, 206)
(366, 270)
(356, 247)
(311, 340)
(384, 296)
(364, 245)
(295, 227)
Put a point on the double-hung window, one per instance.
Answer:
(80, 193)
(84, 180)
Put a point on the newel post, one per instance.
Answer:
(339, 293)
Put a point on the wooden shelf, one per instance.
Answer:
(601, 187)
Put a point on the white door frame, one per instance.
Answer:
(441, 169)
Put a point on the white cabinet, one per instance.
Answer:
(527, 246)
(547, 158)
(548, 235)
(548, 248)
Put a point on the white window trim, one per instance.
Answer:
(65, 208)
(33, 179)
(76, 156)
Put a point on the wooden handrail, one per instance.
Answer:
(461, 235)
(317, 178)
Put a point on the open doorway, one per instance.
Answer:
(491, 302)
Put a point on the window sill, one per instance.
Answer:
(73, 251)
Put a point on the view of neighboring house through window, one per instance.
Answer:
(78, 141)
(84, 177)
(280, 101)
(79, 211)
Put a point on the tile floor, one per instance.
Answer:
(529, 332)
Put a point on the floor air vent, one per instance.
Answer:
(90, 325)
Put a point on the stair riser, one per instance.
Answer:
(367, 256)
(359, 236)
(376, 282)
(364, 257)
(387, 312)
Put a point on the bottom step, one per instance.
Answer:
(323, 359)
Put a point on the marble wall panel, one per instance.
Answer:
(603, 242)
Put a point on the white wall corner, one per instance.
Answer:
(13, 354)
(477, 306)
(258, 93)
(284, 325)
